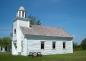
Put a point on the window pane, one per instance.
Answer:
(53, 45)
(42, 45)
(64, 45)
(15, 41)
(14, 31)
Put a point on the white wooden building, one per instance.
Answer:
(37, 38)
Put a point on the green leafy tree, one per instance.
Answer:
(75, 45)
(0, 42)
(83, 44)
(6, 43)
(34, 20)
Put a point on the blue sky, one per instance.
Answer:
(68, 14)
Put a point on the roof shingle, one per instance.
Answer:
(44, 31)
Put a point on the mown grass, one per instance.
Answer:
(76, 56)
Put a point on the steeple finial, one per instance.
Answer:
(21, 2)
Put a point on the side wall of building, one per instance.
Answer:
(35, 46)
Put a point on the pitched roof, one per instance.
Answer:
(44, 31)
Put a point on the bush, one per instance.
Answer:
(83, 44)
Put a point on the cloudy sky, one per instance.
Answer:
(67, 14)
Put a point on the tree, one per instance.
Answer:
(6, 43)
(34, 20)
(83, 44)
(0, 41)
(75, 46)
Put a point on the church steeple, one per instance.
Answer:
(21, 12)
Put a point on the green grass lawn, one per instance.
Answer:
(76, 56)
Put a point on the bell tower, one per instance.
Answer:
(21, 12)
(20, 21)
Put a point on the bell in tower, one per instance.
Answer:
(21, 12)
